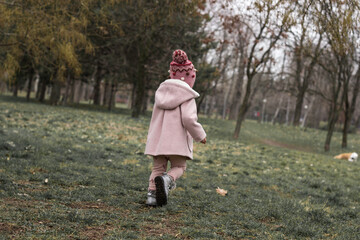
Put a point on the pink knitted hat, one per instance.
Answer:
(181, 68)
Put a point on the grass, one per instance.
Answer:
(280, 183)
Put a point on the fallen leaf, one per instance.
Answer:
(222, 192)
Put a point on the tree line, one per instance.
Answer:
(113, 41)
(274, 60)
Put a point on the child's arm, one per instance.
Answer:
(189, 120)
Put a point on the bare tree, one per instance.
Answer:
(265, 36)
(282, 96)
(336, 19)
(305, 56)
(240, 49)
(350, 104)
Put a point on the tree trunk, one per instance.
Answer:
(145, 102)
(199, 102)
(78, 91)
(16, 88)
(83, 87)
(334, 114)
(30, 76)
(240, 119)
(55, 92)
(132, 97)
(68, 83)
(107, 92)
(335, 109)
(86, 95)
(243, 109)
(307, 111)
(331, 127)
(44, 83)
(210, 105)
(298, 106)
(97, 85)
(224, 110)
(235, 105)
(29, 88)
(273, 120)
(206, 105)
(303, 81)
(357, 124)
(21, 73)
(346, 124)
(277, 110)
(287, 116)
(263, 112)
(38, 90)
(298, 54)
(317, 118)
(139, 91)
(350, 109)
(236, 101)
(72, 90)
(111, 103)
(227, 94)
(249, 95)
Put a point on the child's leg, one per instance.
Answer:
(159, 167)
(178, 166)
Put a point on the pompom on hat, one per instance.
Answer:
(181, 68)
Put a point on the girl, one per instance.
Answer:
(172, 128)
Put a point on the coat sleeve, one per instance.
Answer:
(189, 119)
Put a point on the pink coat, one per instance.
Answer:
(174, 123)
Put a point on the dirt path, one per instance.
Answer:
(284, 145)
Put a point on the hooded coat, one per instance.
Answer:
(173, 124)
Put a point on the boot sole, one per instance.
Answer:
(161, 198)
(150, 205)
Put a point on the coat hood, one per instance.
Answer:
(173, 93)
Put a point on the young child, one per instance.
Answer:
(172, 128)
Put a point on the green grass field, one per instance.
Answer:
(80, 173)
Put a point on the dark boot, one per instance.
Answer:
(164, 184)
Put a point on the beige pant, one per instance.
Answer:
(177, 168)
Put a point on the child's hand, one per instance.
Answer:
(203, 141)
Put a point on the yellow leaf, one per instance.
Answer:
(222, 192)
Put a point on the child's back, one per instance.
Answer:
(174, 121)
(172, 128)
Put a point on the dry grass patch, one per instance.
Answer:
(165, 226)
(284, 145)
(11, 228)
(95, 232)
(92, 205)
